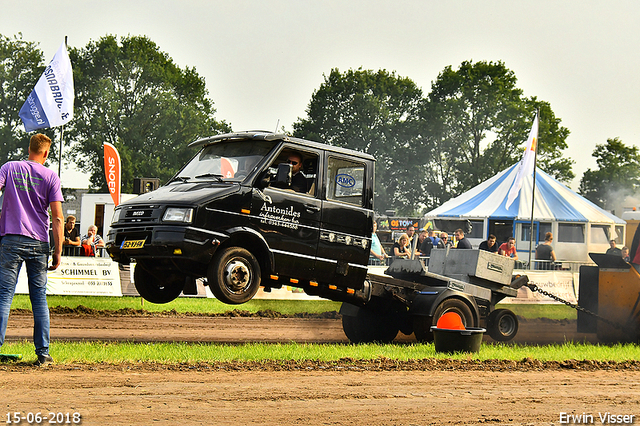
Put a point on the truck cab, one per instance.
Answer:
(240, 215)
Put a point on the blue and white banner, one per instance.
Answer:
(50, 104)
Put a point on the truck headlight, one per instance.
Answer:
(178, 214)
(116, 216)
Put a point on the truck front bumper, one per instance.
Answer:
(182, 245)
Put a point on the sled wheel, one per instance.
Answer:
(502, 325)
(422, 324)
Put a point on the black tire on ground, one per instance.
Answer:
(368, 326)
(422, 328)
(422, 324)
(157, 286)
(234, 275)
(502, 325)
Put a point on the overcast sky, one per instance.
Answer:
(262, 60)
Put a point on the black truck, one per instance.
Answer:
(240, 216)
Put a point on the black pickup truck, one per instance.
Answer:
(263, 209)
(231, 216)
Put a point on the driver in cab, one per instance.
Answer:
(298, 180)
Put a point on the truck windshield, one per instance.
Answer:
(228, 161)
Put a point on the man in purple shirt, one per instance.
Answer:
(30, 189)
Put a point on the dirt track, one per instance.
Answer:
(144, 395)
(143, 327)
(378, 392)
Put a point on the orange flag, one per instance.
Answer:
(112, 171)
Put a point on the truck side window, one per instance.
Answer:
(345, 181)
(304, 165)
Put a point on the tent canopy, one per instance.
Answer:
(553, 201)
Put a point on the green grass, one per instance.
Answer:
(181, 304)
(171, 353)
(289, 307)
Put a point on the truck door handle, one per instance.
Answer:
(312, 209)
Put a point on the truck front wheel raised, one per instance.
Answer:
(157, 286)
(234, 275)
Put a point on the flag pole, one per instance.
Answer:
(533, 192)
(60, 153)
(61, 134)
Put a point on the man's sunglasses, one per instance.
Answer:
(293, 163)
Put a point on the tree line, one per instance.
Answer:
(429, 146)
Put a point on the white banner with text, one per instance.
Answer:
(82, 276)
(559, 283)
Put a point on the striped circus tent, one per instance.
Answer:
(577, 224)
(553, 201)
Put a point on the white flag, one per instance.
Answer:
(50, 103)
(526, 164)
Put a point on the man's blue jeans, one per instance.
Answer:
(14, 249)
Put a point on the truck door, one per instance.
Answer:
(289, 220)
(347, 222)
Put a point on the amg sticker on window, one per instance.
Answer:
(345, 181)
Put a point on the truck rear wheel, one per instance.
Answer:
(157, 286)
(422, 328)
(502, 325)
(369, 326)
(234, 276)
(422, 324)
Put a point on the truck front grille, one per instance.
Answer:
(141, 214)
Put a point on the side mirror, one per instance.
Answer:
(283, 177)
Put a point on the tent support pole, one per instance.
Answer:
(533, 194)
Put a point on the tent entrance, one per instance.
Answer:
(502, 229)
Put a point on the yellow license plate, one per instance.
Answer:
(132, 244)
